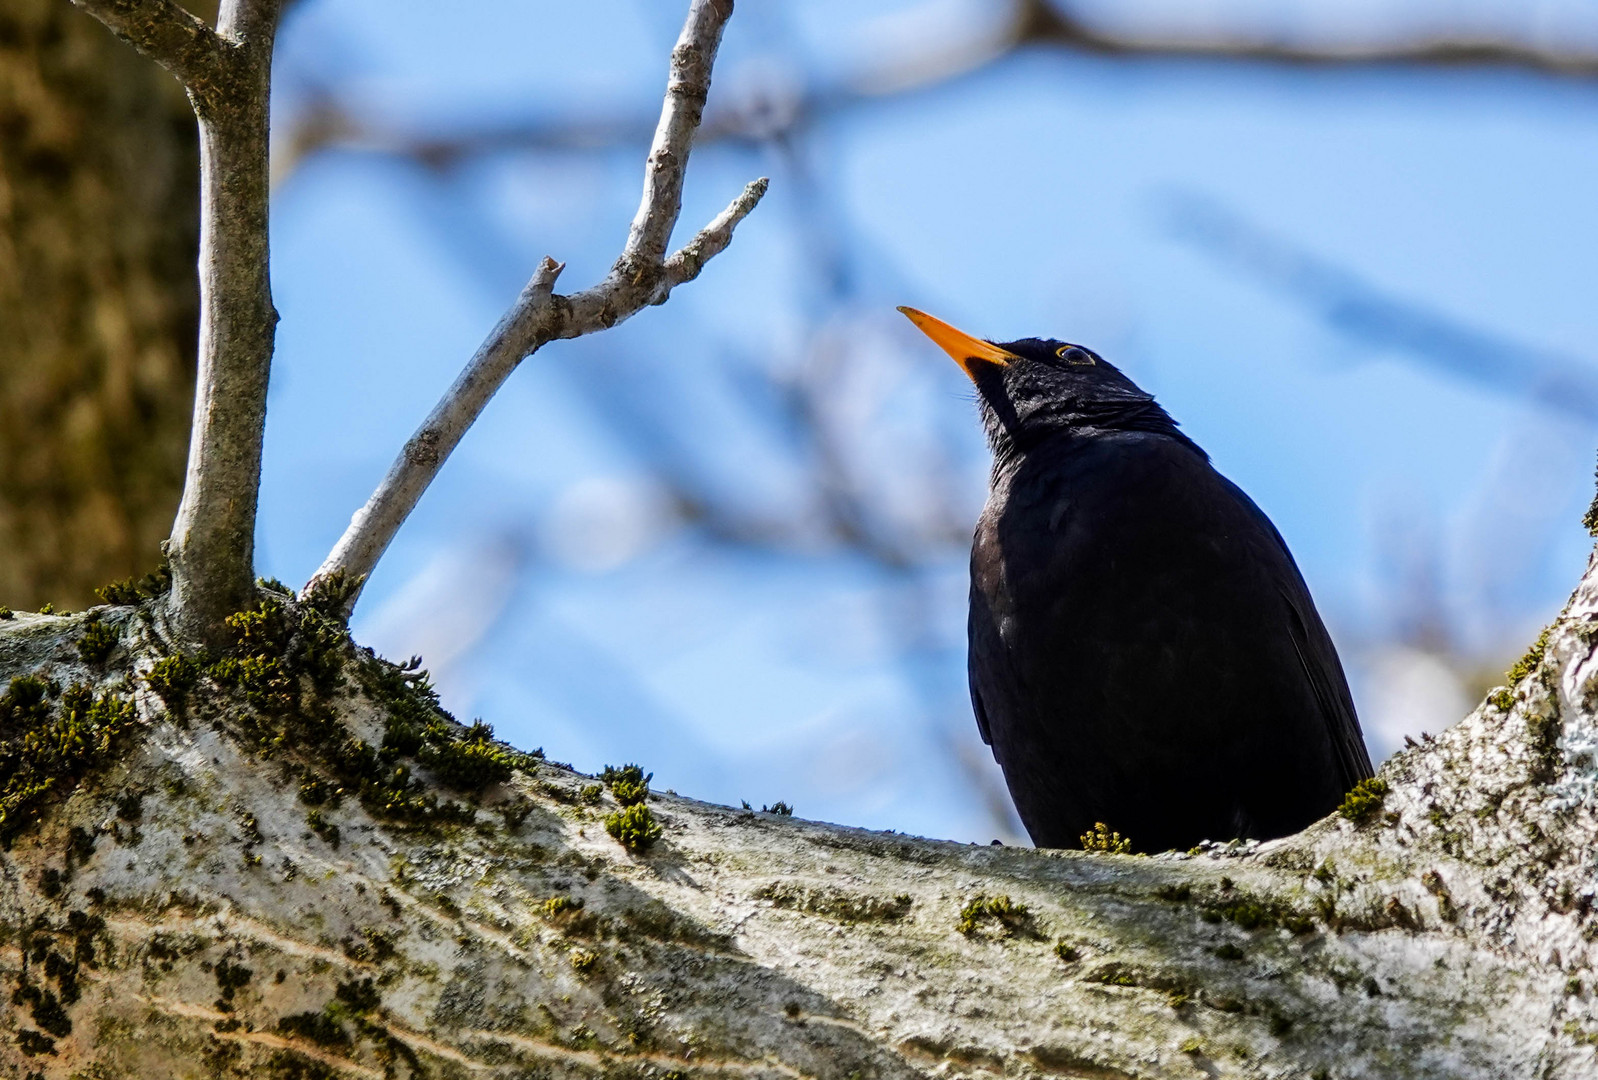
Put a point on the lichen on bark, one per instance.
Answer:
(274, 875)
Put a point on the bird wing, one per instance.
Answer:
(977, 709)
(1319, 658)
(984, 646)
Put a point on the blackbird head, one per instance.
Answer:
(1034, 389)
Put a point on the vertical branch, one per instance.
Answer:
(228, 75)
(687, 88)
(212, 547)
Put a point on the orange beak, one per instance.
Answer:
(966, 350)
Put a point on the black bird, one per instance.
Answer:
(1143, 649)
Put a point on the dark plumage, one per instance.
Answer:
(1143, 649)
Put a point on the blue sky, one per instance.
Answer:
(544, 580)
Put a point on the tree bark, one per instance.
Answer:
(182, 910)
(212, 547)
(99, 203)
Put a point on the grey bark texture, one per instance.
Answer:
(212, 548)
(99, 207)
(643, 275)
(182, 910)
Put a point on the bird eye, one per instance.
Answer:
(1073, 355)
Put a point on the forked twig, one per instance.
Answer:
(643, 275)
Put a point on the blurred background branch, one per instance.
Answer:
(923, 62)
(729, 540)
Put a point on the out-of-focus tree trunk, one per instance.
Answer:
(98, 303)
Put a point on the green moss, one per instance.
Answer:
(1255, 913)
(634, 827)
(470, 761)
(172, 677)
(358, 996)
(318, 792)
(1192, 1045)
(322, 827)
(629, 785)
(6, 613)
(465, 759)
(1362, 804)
(1010, 917)
(845, 906)
(590, 794)
(1116, 973)
(1589, 520)
(1534, 656)
(374, 947)
(230, 979)
(568, 915)
(1228, 951)
(45, 751)
(33, 1044)
(275, 650)
(131, 591)
(1176, 894)
(559, 905)
(321, 1028)
(1100, 839)
(287, 660)
(333, 596)
(583, 960)
(514, 812)
(97, 642)
(1066, 951)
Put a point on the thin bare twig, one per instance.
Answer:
(167, 34)
(712, 240)
(687, 87)
(643, 275)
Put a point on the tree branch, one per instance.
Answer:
(713, 239)
(228, 74)
(1042, 23)
(212, 548)
(640, 277)
(686, 91)
(1033, 24)
(374, 525)
(1441, 925)
(167, 34)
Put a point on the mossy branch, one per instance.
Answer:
(293, 804)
